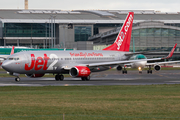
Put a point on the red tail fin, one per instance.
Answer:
(12, 50)
(122, 42)
(172, 51)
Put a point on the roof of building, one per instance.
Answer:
(84, 16)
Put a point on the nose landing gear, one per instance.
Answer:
(140, 70)
(17, 79)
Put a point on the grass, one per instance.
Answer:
(90, 102)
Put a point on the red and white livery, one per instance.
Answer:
(79, 63)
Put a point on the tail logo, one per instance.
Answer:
(122, 34)
(123, 39)
(120, 41)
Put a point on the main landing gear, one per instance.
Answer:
(149, 71)
(17, 79)
(85, 78)
(124, 71)
(59, 77)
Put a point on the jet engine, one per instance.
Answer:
(157, 67)
(34, 75)
(80, 71)
(119, 68)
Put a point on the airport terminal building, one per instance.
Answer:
(88, 29)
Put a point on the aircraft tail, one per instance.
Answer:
(122, 42)
(171, 53)
(12, 50)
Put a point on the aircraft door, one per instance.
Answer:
(26, 59)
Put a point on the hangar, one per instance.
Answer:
(83, 29)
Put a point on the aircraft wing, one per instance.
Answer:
(3, 57)
(131, 61)
(120, 62)
(159, 63)
(68, 67)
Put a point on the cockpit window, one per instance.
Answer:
(10, 59)
(137, 57)
(140, 57)
(13, 59)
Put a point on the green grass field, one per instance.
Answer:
(90, 102)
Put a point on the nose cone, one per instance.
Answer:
(6, 65)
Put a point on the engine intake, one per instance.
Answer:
(119, 68)
(157, 67)
(34, 75)
(80, 71)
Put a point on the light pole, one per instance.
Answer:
(54, 31)
(52, 26)
(46, 35)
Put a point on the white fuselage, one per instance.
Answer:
(57, 61)
(138, 64)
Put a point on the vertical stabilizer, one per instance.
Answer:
(122, 42)
(12, 50)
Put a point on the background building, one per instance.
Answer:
(83, 29)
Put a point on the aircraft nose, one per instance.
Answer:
(6, 65)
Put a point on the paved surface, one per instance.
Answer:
(102, 78)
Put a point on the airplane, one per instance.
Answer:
(78, 63)
(142, 64)
(3, 56)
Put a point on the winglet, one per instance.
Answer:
(171, 53)
(12, 50)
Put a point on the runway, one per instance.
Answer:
(102, 78)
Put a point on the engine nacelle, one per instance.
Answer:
(80, 71)
(34, 75)
(119, 68)
(157, 67)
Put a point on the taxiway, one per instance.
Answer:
(102, 78)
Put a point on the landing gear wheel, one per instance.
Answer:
(61, 77)
(149, 71)
(17, 79)
(88, 78)
(124, 72)
(85, 78)
(57, 77)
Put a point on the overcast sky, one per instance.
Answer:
(157, 5)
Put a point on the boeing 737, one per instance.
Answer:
(79, 63)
